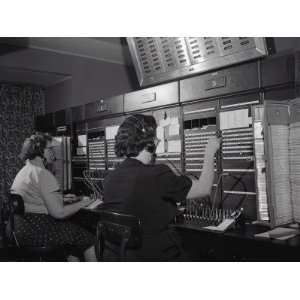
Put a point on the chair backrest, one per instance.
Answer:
(14, 206)
(17, 204)
(122, 230)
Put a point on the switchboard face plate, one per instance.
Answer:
(158, 59)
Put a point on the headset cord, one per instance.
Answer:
(238, 180)
(173, 165)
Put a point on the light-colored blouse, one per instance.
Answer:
(33, 183)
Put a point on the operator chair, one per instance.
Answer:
(119, 231)
(12, 209)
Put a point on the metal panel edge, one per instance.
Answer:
(136, 62)
(216, 63)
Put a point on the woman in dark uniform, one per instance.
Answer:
(150, 191)
(45, 221)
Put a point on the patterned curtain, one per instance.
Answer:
(19, 105)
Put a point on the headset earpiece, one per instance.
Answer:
(151, 147)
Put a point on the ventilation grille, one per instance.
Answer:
(174, 53)
(164, 58)
(202, 49)
(149, 54)
(231, 45)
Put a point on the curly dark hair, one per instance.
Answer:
(34, 146)
(136, 133)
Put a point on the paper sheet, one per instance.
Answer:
(111, 132)
(174, 129)
(57, 147)
(168, 121)
(56, 141)
(225, 224)
(174, 146)
(164, 122)
(174, 121)
(161, 136)
(81, 140)
(234, 119)
(81, 151)
(279, 233)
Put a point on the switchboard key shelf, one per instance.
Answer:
(199, 217)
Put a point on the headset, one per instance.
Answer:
(36, 143)
(150, 147)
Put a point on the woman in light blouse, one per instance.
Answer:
(45, 220)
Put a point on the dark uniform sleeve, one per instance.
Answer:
(175, 188)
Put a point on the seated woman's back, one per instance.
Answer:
(150, 193)
(31, 182)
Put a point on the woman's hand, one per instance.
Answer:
(202, 187)
(213, 144)
(71, 198)
(86, 201)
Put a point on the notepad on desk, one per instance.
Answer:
(223, 226)
(279, 233)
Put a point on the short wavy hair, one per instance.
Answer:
(136, 133)
(34, 146)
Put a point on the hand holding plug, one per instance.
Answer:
(213, 144)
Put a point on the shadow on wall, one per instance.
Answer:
(134, 82)
(130, 71)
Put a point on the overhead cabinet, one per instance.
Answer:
(280, 70)
(159, 59)
(160, 95)
(231, 80)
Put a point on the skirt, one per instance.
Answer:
(37, 230)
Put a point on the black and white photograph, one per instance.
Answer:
(165, 152)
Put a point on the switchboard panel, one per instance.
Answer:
(169, 130)
(102, 107)
(200, 123)
(260, 164)
(111, 127)
(237, 153)
(77, 114)
(79, 158)
(61, 147)
(60, 118)
(96, 149)
(96, 152)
